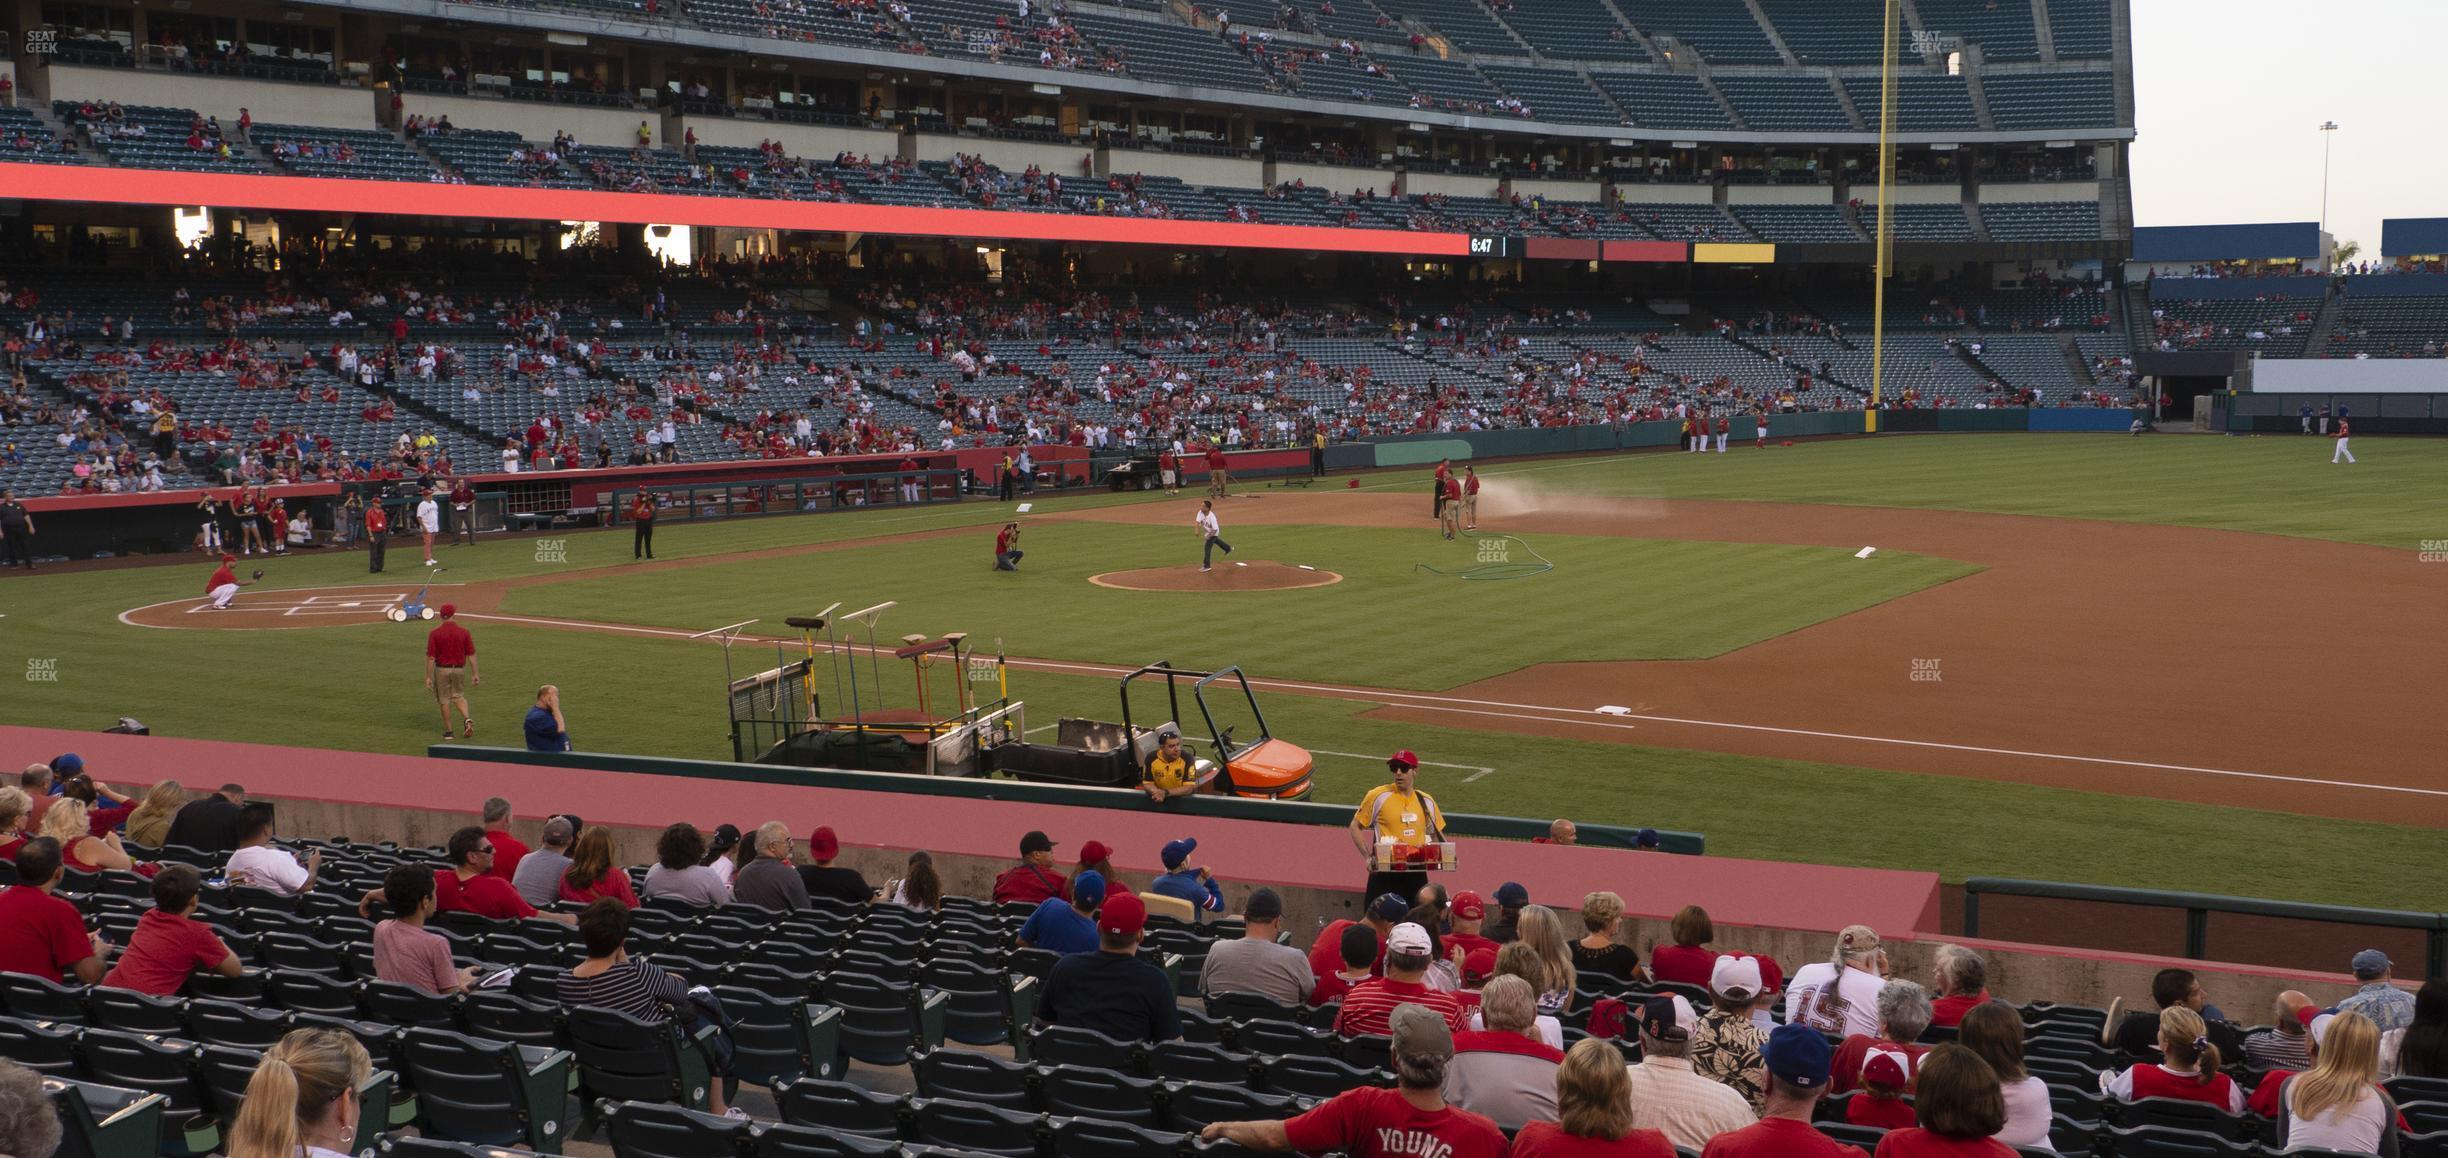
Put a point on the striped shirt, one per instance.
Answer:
(1369, 1006)
(633, 987)
(1667, 1096)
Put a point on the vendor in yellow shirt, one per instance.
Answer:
(1168, 770)
(1403, 813)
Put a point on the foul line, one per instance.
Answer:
(1461, 705)
(1476, 770)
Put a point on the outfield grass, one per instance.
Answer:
(360, 687)
(1385, 625)
(2396, 496)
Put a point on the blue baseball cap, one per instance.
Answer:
(1389, 907)
(67, 764)
(1798, 1055)
(1510, 895)
(1645, 838)
(1088, 888)
(1175, 852)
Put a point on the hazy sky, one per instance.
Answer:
(2229, 96)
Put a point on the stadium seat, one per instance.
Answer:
(975, 1127)
(128, 1011)
(656, 1130)
(1194, 1104)
(1319, 1077)
(1368, 1049)
(881, 1022)
(1194, 1061)
(2181, 1114)
(1276, 1039)
(983, 1005)
(1251, 1007)
(621, 1058)
(488, 1092)
(1054, 1045)
(973, 1077)
(1090, 1137)
(25, 995)
(135, 1062)
(505, 1016)
(2409, 1089)
(105, 1121)
(45, 1047)
(300, 992)
(841, 1106)
(775, 1039)
(2163, 1142)
(1091, 1092)
(406, 1005)
(788, 1141)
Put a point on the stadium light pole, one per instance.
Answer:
(2328, 131)
(1883, 243)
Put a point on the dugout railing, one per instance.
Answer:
(2199, 908)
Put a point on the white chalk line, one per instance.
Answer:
(1536, 713)
(1476, 770)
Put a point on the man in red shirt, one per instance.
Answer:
(642, 517)
(1436, 489)
(1035, 878)
(1903, 1013)
(1370, 1004)
(1412, 1120)
(1168, 471)
(469, 885)
(1326, 953)
(909, 480)
(1449, 518)
(377, 527)
(41, 934)
(1797, 1060)
(169, 944)
(450, 666)
(507, 849)
(1219, 473)
(463, 510)
(1468, 910)
(224, 584)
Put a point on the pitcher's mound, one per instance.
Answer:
(1255, 575)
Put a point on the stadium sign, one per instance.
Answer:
(1486, 245)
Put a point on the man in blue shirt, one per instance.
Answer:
(1195, 885)
(1067, 927)
(546, 730)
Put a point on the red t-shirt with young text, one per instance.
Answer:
(1380, 1123)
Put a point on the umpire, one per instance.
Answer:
(16, 531)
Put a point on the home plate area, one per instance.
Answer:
(291, 605)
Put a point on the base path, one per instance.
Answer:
(2185, 664)
(1230, 575)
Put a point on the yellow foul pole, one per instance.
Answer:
(1885, 239)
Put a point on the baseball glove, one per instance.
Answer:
(259, 573)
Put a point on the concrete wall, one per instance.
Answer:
(1010, 156)
(815, 141)
(272, 102)
(537, 122)
(2044, 191)
(1336, 178)
(1781, 195)
(1450, 184)
(1227, 172)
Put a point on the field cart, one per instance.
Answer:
(1102, 753)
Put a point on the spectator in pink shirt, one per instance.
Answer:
(404, 951)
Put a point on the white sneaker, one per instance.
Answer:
(1206, 568)
(736, 1113)
(431, 563)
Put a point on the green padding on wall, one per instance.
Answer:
(1422, 452)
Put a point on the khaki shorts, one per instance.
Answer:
(450, 683)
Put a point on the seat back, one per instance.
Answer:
(46, 1048)
(1092, 1138)
(133, 1012)
(25, 995)
(1319, 1077)
(1084, 1091)
(407, 1005)
(505, 1016)
(1251, 1007)
(1194, 1105)
(655, 1130)
(788, 1141)
(1198, 1061)
(975, 1127)
(1055, 1045)
(879, 1023)
(840, 1106)
(627, 1059)
(969, 1076)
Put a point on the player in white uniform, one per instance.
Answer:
(1211, 534)
(2342, 452)
(429, 521)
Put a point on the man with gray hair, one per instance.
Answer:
(1903, 1012)
(1255, 962)
(1412, 1120)
(1963, 983)
(1505, 1071)
(538, 879)
(508, 850)
(1667, 1095)
(769, 881)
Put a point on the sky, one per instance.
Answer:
(2229, 96)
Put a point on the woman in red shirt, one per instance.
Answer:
(1959, 1106)
(1689, 960)
(591, 875)
(1594, 1105)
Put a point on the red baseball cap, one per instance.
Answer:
(1124, 915)
(1478, 965)
(229, 558)
(822, 844)
(1469, 906)
(449, 609)
(1403, 759)
(1094, 851)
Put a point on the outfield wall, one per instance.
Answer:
(1782, 909)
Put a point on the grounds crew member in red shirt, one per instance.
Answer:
(1436, 488)
(1168, 468)
(1797, 1059)
(1219, 472)
(1007, 548)
(224, 584)
(450, 666)
(1470, 498)
(1035, 878)
(1412, 1120)
(463, 511)
(378, 528)
(1450, 519)
(642, 516)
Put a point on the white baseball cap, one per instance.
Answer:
(1735, 977)
(1408, 939)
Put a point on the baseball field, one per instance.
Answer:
(2193, 662)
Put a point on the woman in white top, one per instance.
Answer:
(1995, 1032)
(303, 1098)
(1840, 995)
(2335, 1105)
(723, 853)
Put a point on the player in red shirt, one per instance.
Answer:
(378, 527)
(224, 584)
(1007, 548)
(1410, 1121)
(450, 666)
